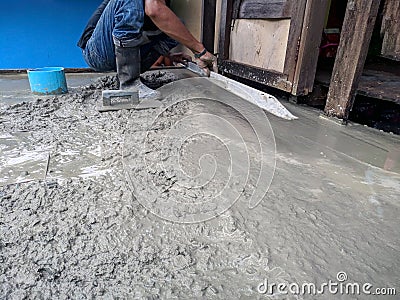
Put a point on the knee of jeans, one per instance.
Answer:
(97, 63)
(129, 20)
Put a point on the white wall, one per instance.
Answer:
(190, 11)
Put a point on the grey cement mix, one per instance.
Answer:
(94, 220)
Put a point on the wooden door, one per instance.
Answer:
(272, 42)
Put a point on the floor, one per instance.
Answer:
(208, 197)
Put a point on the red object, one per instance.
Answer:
(329, 44)
(163, 61)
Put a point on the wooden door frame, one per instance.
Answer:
(302, 49)
(355, 38)
(309, 45)
(208, 24)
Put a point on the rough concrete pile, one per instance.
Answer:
(88, 237)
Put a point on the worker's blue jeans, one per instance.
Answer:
(121, 24)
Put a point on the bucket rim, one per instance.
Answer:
(46, 69)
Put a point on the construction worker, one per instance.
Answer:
(130, 35)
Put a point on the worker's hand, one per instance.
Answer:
(179, 57)
(207, 62)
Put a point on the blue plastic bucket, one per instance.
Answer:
(48, 81)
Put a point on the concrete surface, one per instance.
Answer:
(76, 224)
(14, 88)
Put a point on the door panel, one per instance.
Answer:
(265, 47)
(254, 42)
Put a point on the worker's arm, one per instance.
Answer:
(169, 23)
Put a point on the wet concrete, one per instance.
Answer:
(79, 228)
(14, 88)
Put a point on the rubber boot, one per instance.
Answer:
(128, 70)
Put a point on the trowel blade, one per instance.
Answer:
(132, 101)
(191, 66)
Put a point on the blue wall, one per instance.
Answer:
(40, 33)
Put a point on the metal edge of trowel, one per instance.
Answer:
(191, 66)
(257, 97)
(263, 100)
(196, 69)
(133, 101)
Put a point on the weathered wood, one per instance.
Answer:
(381, 85)
(67, 70)
(391, 30)
(353, 48)
(267, 77)
(313, 27)
(225, 29)
(264, 48)
(265, 9)
(290, 69)
(296, 26)
(209, 15)
(12, 71)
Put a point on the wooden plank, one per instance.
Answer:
(225, 29)
(391, 30)
(313, 27)
(380, 85)
(265, 9)
(209, 15)
(373, 84)
(296, 26)
(67, 70)
(265, 47)
(267, 77)
(353, 48)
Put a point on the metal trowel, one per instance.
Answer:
(191, 66)
(113, 100)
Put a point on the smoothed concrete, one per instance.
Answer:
(79, 228)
